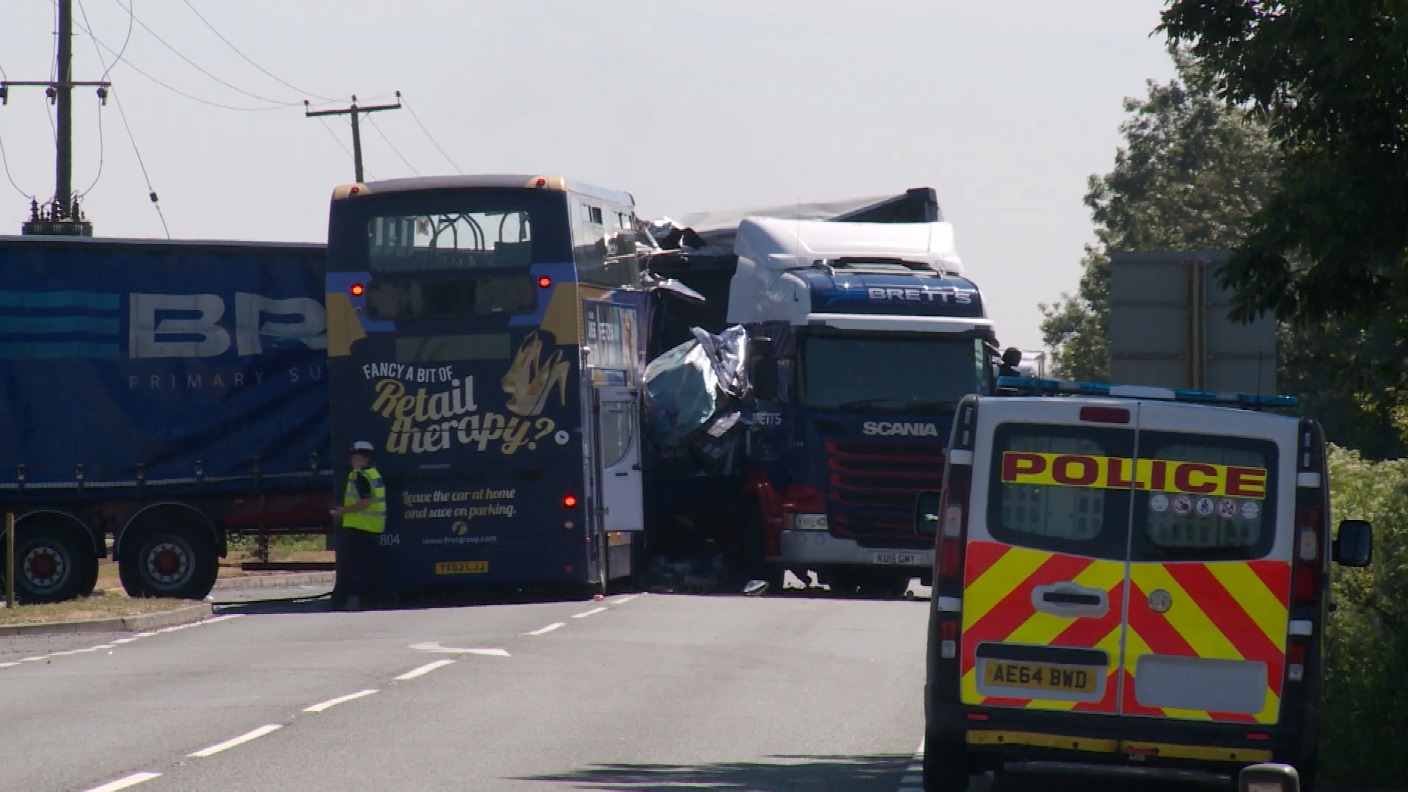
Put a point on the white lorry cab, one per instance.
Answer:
(1128, 575)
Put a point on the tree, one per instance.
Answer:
(1330, 80)
(1191, 171)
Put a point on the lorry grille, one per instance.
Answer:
(872, 487)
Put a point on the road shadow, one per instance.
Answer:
(790, 773)
(887, 772)
(1057, 777)
(320, 603)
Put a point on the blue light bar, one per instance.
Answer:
(1035, 385)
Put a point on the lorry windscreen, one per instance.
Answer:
(890, 374)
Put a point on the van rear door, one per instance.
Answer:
(1209, 571)
(1127, 560)
(1045, 558)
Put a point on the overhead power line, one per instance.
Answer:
(200, 68)
(394, 150)
(428, 136)
(250, 61)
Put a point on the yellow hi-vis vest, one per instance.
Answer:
(373, 519)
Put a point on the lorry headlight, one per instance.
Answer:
(808, 522)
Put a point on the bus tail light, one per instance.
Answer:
(544, 281)
(569, 501)
(356, 290)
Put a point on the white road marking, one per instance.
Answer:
(587, 613)
(423, 670)
(119, 641)
(124, 783)
(913, 780)
(624, 600)
(547, 629)
(240, 740)
(434, 646)
(330, 703)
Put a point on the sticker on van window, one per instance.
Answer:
(1158, 502)
(1205, 507)
(1166, 475)
(1182, 505)
(1227, 509)
(1251, 510)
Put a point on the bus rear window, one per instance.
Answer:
(450, 241)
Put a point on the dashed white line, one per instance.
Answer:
(423, 670)
(913, 780)
(8, 665)
(330, 703)
(625, 599)
(547, 629)
(587, 613)
(240, 740)
(124, 783)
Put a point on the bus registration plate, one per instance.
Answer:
(461, 567)
(1037, 676)
(899, 559)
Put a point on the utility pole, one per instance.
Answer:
(61, 216)
(356, 112)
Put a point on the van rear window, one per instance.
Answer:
(1232, 515)
(1041, 474)
(1079, 490)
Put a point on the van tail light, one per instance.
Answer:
(1307, 571)
(1295, 661)
(953, 529)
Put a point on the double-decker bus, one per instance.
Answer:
(484, 335)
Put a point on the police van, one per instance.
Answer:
(1128, 575)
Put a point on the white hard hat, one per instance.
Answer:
(362, 447)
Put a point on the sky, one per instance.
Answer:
(1004, 107)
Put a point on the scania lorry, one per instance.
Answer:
(862, 338)
(155, 396)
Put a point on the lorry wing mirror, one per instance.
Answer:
(926, 513)
(1354, 543)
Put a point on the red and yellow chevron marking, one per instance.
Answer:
(1228, 610)
(1240, 613)
(997, 607)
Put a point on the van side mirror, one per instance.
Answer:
(1354, 543)
(926, 513)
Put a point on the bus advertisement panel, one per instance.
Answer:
(456, 328)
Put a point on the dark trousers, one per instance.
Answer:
(358, 564)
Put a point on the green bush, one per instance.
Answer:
(1366, 701)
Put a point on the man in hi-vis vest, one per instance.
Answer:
(362, 517)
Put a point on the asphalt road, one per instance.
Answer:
(645, 692)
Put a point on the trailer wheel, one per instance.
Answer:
(55, 562)
(176, 560)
